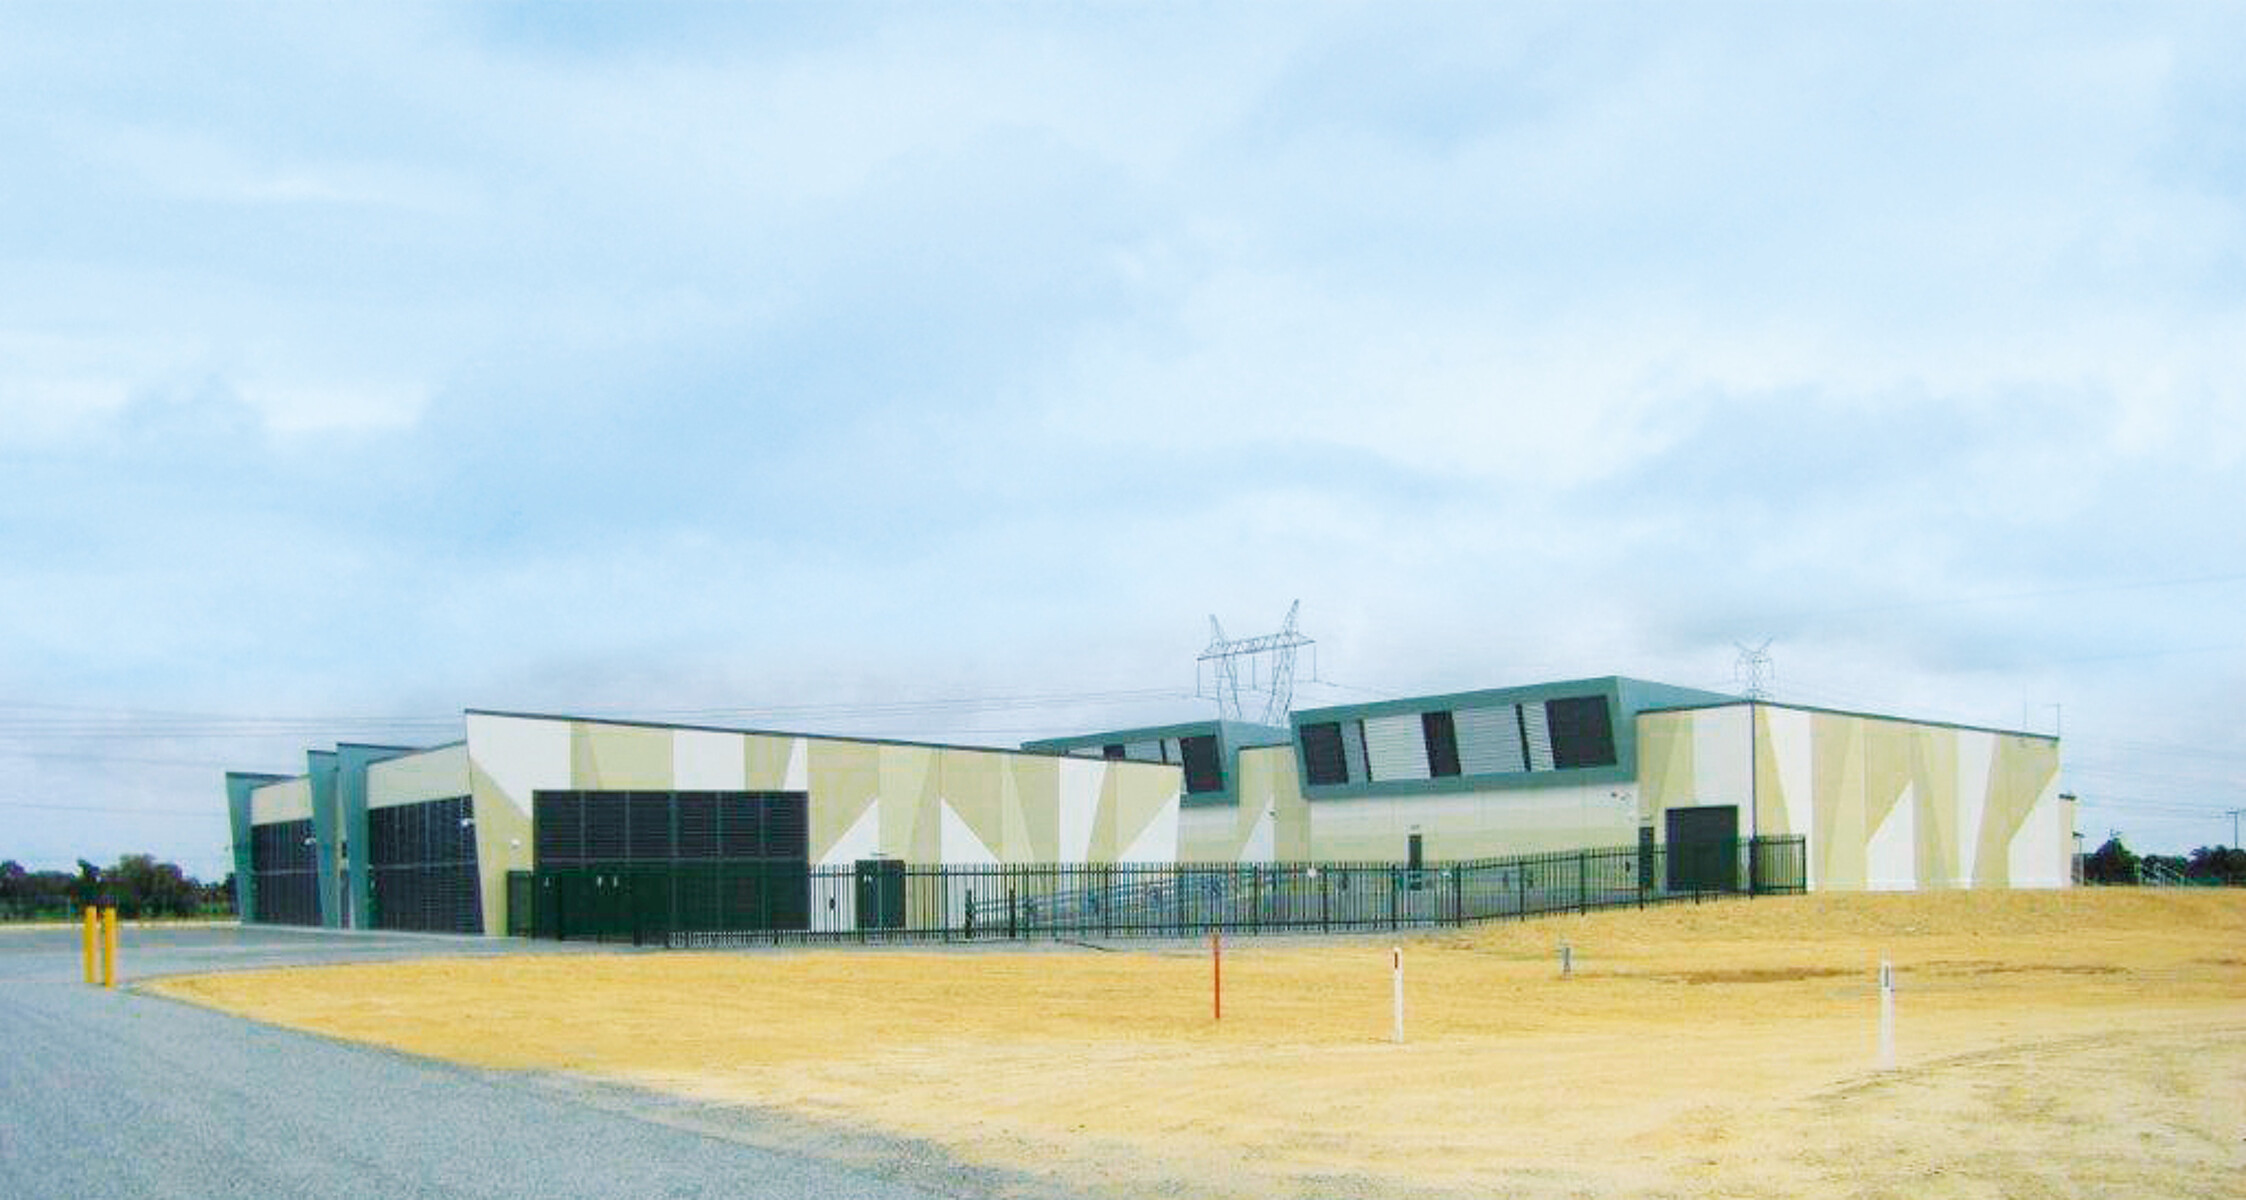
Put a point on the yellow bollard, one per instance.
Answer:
(93, 935)
(109, 951)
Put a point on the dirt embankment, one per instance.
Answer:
(2074, 1043)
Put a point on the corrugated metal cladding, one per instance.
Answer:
(1353, 749)
(1143, 752)
(1489, 740)
(1396, 747)
(1539, 737)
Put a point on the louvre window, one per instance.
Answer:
(1353, 750)
(1395, 747)
(1489, 740)
(1442, 743)
(1323, 761)
(1582, 732)
(1204, 769)
(1536, 737)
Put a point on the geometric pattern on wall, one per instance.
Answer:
(1881, 802)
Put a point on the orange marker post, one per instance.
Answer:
(1216, 976)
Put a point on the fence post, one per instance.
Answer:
(1013, 916)
(1395, 898)
(1582, 895)
(1521, 891)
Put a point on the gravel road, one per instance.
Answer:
(121, 1095)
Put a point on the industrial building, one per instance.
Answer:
(427, 838)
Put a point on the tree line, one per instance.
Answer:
(2222, 866)
(138, 885)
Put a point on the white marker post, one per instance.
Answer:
(1886, 1016)
(1567, 961)
(1396, 962)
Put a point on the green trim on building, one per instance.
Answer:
(1625, 698)
(327, 833)
(1232, 737)
(1736, 701)
(239, 786)
(351, 762)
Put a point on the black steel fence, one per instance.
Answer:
(701, 904)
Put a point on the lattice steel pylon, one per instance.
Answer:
(1270, 657)
(1753, 671)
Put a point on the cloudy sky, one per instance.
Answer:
(937, 371)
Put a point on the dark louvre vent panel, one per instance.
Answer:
(740, 824)
(787, 828)
(639, 827)
(650, 817)
(604, 825)
(561, 827)
(284, 873)
(697, 825)
(1582, 732)
(1204, 769)
(422, 864)
(1323, 760)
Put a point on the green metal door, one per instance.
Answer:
(1704, 848)
(881, 893)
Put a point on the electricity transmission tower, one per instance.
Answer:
(1269, 663)
(1753, 671)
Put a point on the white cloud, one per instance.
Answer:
(594, 351)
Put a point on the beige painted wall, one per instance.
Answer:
(921, 804)
(1474, 824)
(438, 774)
(288, 800)
(1269, 823)
(1884, 804)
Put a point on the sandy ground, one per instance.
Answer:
(2088, 1043)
